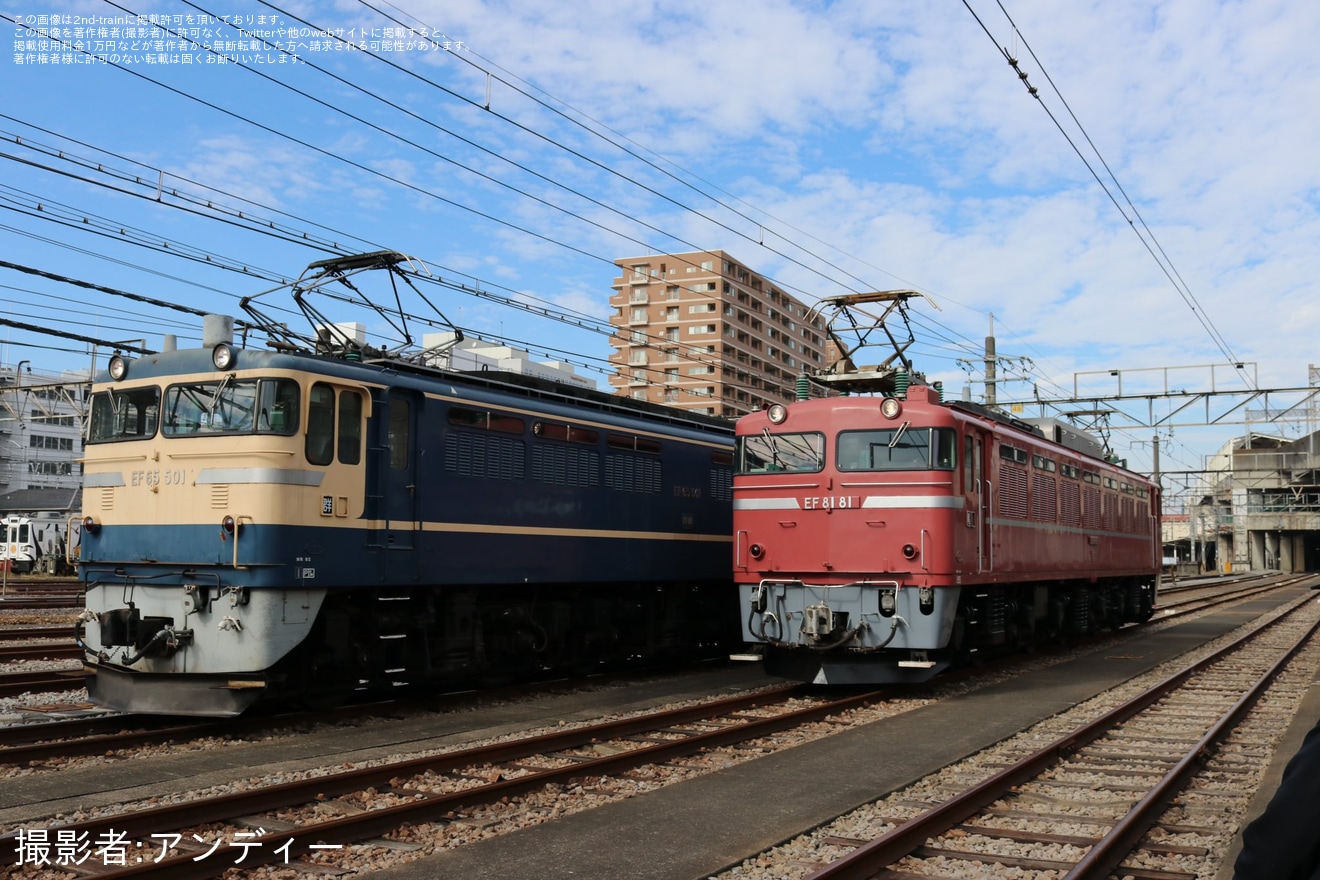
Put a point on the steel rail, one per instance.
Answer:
(141, 823)
(14, 684)
(25, 633)
(68, 651)
(869, 859)
(1111, 849)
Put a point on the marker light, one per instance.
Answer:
(222, 356)
(118, 367)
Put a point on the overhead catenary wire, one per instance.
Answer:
(300, 141)
(124, 9)
(355, 164)
(141, 187)
(586, 322)
(1148, 240)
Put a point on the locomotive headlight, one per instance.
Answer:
(891, 407)
(888, 602)
(926, 600)
(778, 413)
(118, 367)
(223, 356)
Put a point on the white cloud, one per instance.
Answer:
(869, 145)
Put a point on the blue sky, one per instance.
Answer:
(869, 145)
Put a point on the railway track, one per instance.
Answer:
(28, 593)
(39, 743)
(438, 788)
(40, 652)
(15, 684)
(1140, 755)
(1213, 595)
(33, 633)
(51, 643)
(426, 790)
(40, 602)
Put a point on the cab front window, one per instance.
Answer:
(902, 448)
(124, 414)
(768, 453)
(229, 406)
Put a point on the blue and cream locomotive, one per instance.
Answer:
(321, 518)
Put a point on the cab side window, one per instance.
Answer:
(350, 427)
(320, 447)
(399, 433)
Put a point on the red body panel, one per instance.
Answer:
(986, 520)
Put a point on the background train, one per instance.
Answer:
(44, 542)
(301, 524)
(884, 539)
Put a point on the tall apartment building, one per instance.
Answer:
(702, 332)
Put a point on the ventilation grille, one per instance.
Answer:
(1070, 504)
(721, 484)
(1043, 499)
(629, 473)
(1013, 493)
(491, 458)
(566, 466)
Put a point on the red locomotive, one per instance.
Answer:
(884, 539)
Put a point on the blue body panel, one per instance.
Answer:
(547, 511)
(283, 556)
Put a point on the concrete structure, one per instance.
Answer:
(1258, 507)
(30, 502)
(701, 332)
(40, 429)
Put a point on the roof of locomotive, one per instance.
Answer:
(922, 396)
(492, 384)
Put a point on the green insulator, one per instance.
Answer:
(939, 392)
(803, 386)
(901, 384)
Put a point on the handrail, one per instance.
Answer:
(238, 530)
(68, 540)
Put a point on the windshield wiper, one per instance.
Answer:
(215, 399)
(898, 435)
(774, 448)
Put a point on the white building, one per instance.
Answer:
(474, 355)
(1256, 507)
(40, 428)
